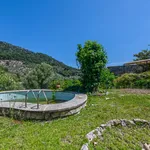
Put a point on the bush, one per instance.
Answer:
(107, 79)
(39, 77)
(9, 82)
(143, 83)
(66, 84)
(72, 85)
(132, 80)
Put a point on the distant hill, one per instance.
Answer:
(29, 59)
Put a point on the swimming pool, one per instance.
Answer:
(41, 104)
(44, 96)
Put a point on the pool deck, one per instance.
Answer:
(45, 111)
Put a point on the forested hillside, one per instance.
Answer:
(29, 59)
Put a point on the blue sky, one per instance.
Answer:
(55, 27)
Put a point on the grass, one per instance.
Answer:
(123, 138)
(69, 133)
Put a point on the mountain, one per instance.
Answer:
(11, 56)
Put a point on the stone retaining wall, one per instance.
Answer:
(119, 70)
(38, 115)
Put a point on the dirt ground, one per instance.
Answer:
(136, 91)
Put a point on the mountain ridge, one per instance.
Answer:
(30, 59)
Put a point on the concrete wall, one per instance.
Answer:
(119, 70)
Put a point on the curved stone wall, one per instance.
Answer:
(45, 111)
(98, 132)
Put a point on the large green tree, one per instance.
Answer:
(91, 59)
(144, 54)
(39, 77)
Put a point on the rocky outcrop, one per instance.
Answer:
(14, 66)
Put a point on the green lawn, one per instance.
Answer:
(123, 138)
(69, 133)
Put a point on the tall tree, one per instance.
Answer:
(39, 77)
(144, 54)
(91, 59)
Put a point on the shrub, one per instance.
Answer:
(125, 81)
(143, 83)
(131, 80)
(72, 85)
(9, 82)
(66, 84)
(107, 79)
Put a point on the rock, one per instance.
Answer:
(110, 123)
(113, 123)
(141, 121)
(103, 126)
(123, 123)
(98, 132)
(90, 136)
(130, 122)
(116, 122)
(101, 129)
(85, 147)
(146, 146)
(95, 143)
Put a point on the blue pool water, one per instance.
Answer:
(20, 96)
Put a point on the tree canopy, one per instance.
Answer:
(39, 77)
(91, 59)
(8, 81)
(144, 54)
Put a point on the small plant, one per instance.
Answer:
(53, 97)
(12, 112)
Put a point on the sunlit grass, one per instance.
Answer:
(69, 133)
